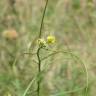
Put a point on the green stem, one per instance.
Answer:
(39, 71)
(42, 21)
(38, 51)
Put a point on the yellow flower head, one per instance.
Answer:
(51, 39)
(10, 34)
(41, 42)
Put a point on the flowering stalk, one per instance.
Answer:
(42, 45)
(38, 51)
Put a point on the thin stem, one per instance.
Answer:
(29, 85)
(41, 25)
(38, 56)
(39, 71)
(39, 61)
(38, 51)
(42, 21)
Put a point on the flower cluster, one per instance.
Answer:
(42, 42)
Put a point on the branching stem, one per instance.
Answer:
(38, 50)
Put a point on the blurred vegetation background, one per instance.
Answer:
(73, 22)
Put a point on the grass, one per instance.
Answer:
(67, 68)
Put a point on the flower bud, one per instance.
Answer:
(41, 42)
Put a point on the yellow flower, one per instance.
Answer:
(41, 42)
(10, 34)
(51, 39)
